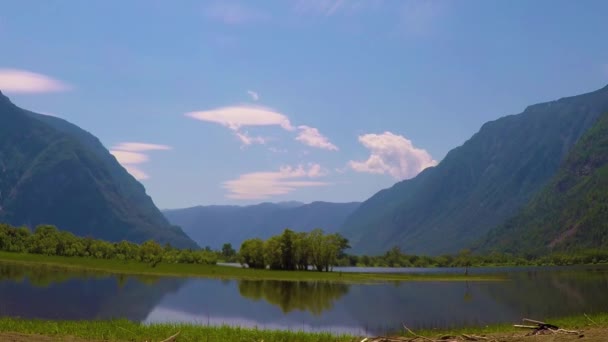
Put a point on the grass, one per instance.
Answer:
(124, 330)
(576, 322)
(224, 272)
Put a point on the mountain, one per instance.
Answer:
(215, 225)
(571, 211)
(53, 172)
(478, 185)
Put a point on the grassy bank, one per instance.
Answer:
(123, 330)
(576, 322)
(221, 272)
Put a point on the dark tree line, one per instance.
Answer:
(294, 251)
(48, 240)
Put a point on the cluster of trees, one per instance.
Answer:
(48, 240)
(294, 251)
(465, 258)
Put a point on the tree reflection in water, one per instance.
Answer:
(315, 297)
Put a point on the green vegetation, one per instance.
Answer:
(221, 272)
(55, 172)
(571, 213)
(478, 185)
(599, 320)
(123, 330)
(465, 258)
(294, 251)
(49, 241)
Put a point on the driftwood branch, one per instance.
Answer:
(542, 327)
(417, 336)
(171, 338)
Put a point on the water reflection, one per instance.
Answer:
(59, 293)
(53, 293)
(314, 297)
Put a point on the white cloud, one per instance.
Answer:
(129, 155)
(235, 117)
(138, 147)
(392, 154)
(126, 157)
(22, 81)
(261, 185)
(312, 137)
(247, 140)
(254, 95)
(231, 13)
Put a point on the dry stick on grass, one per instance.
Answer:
(418, 336)
(590, 320)
(171, 338)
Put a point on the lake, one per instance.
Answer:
(363, 309)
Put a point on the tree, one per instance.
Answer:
(228, 252)
(287, 248)
(151, 252)
(251, 253)
(464, 260)
(272, 253)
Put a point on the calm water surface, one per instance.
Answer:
(354, 308)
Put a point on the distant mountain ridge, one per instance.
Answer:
(572, 210)
(218, 224)
(478, 185)
(53, 172)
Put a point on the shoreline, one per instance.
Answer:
(592, 327)
(224, 272)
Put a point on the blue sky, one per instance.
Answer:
(238, 102)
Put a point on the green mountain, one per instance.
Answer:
(478, 185)
(53, 172)
(218, 224)
(571, 211)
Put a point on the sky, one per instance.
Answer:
(241, 102)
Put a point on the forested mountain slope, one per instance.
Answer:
(52, 172)
(478, 185)
(572, 210)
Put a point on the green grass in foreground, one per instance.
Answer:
(222, 272)
(124, 330)
(570, 322)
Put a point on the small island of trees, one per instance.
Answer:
(294, 251)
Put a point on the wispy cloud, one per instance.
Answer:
(312, 137)
(138, 147)
(333, 7)
(392, 154)
(261, 185)
(22, 81)
(237, 117)
(247, 140)
(130, 155)
(233, 13)
(254, 95)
